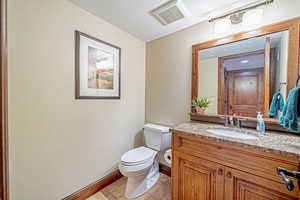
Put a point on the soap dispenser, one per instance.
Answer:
(261, 129)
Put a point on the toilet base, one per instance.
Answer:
(139, 185)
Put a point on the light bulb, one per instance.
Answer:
(222, 26)
(252, 18)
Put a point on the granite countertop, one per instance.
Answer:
(280, 143)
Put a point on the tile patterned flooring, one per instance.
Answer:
(160, 191)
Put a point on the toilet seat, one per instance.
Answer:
(135, 170)
(138, 156)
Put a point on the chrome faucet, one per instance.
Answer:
(233, 121)
(226, 118)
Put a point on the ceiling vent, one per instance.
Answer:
(170, 12)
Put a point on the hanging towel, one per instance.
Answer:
(289, 118)
(276, 104)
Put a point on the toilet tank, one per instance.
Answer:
(157, 137)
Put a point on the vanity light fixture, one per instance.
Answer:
(249, 15)
(252, 18)
(244, 61)
(222, 26)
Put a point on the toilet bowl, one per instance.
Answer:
(141, 169)
(140, 165)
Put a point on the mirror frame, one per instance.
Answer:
(292, 25)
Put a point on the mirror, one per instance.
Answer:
(241, 77)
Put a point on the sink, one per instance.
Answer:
(232, 134)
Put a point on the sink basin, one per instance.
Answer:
(232, 134)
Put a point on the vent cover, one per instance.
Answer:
(170, 12)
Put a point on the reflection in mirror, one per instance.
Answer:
(242, 77)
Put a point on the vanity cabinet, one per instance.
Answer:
(207, 169)
(199, 179)
(241, 185)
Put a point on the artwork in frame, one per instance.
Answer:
(98, 68)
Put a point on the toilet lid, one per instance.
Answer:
(138, 155)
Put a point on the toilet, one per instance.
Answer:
(140, 165)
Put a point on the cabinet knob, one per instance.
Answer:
(220, 171)
(229, 175)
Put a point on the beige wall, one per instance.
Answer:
(208, 83)
(168, 65)
(58, 144)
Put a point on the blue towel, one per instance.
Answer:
(289, 118)
(276, 104)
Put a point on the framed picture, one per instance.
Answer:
(98, 68)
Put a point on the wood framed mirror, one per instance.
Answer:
(239, 74)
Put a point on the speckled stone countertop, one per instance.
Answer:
(280, 143)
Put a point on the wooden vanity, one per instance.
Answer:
(207, 168)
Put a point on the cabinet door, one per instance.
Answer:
(244, 186)
(196, 179)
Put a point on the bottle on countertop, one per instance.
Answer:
(261, 129)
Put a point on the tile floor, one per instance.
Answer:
(160, 191)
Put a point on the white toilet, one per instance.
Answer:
(140, 165)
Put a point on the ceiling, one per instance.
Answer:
(133, 15)
(253, 62)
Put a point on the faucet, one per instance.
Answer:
(233, 121)
(228, 120)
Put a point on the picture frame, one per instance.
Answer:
(97, 68)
